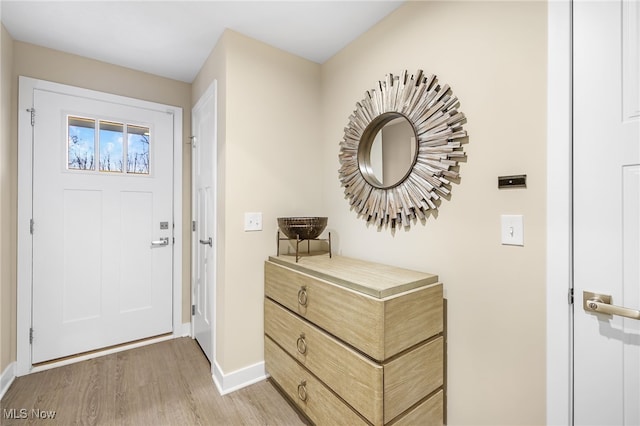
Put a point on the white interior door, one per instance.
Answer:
(102, 224)
(203, 275)
(606, 211)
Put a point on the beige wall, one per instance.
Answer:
(493, 54)
(46, 64)
(8, 202)
(268, 162)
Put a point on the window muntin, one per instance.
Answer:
(88, 136)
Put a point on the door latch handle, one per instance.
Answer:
(208, 242)
(593, 302)
(161, 242)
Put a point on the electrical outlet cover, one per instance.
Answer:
(253, 221)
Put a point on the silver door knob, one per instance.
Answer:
(593, 302)
(208, 242)
(161, 242)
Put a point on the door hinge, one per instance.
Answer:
(33, 116)
(193, 310)
(31, 226)
(570, 296)
(193, 226)
(31, 335)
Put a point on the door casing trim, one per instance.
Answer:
(26, 87)
(559, 261)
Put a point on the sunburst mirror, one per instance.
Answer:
(401, 148)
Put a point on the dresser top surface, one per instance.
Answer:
(375, 279)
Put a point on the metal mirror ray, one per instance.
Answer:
(434, 149)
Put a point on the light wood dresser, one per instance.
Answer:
(354, 342)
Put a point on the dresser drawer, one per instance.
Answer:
(355, 378)
(307, 392)
(412, 376)
(379, 327)
(428, 413)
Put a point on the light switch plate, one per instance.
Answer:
(253, 221)
(512, 230)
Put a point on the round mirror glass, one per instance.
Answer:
(387, 150)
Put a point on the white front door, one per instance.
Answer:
(102, 224)
(203, 248)
(606, 152)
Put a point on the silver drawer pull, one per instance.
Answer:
(302, 344)
(302, 390)
(302, 296)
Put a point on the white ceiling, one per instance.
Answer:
(174, 38)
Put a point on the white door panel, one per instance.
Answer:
(606, 211)
(204, 161)
(97, 280)
(631, 292)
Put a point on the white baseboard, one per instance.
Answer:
(186, 330)
(8, 376)
(227, 383)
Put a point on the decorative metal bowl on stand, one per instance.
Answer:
(300, 229)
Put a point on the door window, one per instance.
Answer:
(138, 149)
(110, 142)
(81, 143)
(88, 136)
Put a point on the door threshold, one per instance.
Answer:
(72, 359)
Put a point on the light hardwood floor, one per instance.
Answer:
(166, 383)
